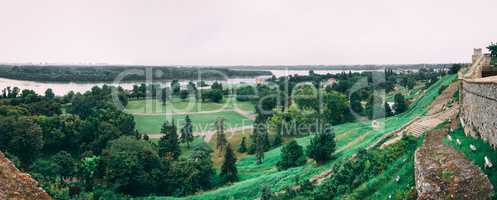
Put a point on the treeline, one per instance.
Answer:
(110, 73)
(80, 146)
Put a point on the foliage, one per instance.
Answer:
(322, 146)
(187, 131)
(242, 148)
(493, 49)
(229, 173)
(400, 105)
(336, 108)
(455, 68)
(110, 73)
(130, 165)
(292, 155)
(168, 144)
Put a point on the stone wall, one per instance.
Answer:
(15, 184)
(479, 109)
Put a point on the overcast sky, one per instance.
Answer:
(252, 32)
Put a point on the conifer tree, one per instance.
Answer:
(220, 137)
(278, 140)
(229, 173)
(168, 143)
(243, 147)
(187, 132)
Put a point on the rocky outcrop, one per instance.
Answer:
(17, 185)
(444, 173)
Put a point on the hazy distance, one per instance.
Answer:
(255, 32)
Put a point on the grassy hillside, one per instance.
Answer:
(350, 137)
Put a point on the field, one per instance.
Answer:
(176, 105)
(151, 124)
(350, 137)
(150, 114)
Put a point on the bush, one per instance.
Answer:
(292, 155)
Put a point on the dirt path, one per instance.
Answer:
(444, 173)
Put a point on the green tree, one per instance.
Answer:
(175, 87)
(168, 144)
(322, 146)
(131, 165)
(243, 147)
(306, 97)
(65, 164)
(229, 173)
(278, 139)
(400, 105)
(493, 49)
(455, 68)
(388, 110)
(336, 108)
(183, 94)
(49, 93)
(26, 140)
(220, 136)
(266, 193)
(292, 155)
(187, 131)
(195, 173)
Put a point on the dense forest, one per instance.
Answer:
(60, 73)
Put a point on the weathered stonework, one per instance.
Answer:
(444, 173)
(16, 185)
(479, 101)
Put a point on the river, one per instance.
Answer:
(63, 88)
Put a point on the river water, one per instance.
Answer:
(63, 88)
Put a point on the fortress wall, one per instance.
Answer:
(479, 109)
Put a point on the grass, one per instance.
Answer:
(253, 177)
(177, 105)
(477, 157)
(201, 122)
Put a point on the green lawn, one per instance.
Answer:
(152, 123)
(477, 157)
(189, 105)
(352, 137)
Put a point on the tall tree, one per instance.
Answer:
(243, 147)
(322, 145)
(388, 110)
(400, 105)
(49, 93)
(259, 147)
(175, 87)
(278, 139)
(168, 144)
(187, 131)
(229, 173)
(220, 137)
